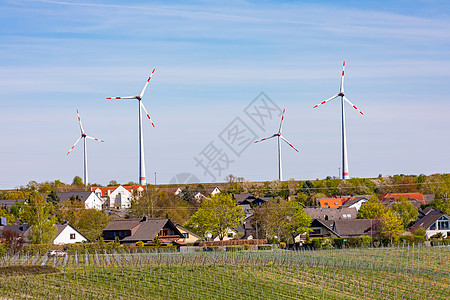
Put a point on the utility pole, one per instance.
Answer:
(155, 178)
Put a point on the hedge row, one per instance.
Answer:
(233, 242)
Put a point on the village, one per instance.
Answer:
(242, 215)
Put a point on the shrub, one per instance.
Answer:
(234, 248)
(446, 241)
(211, 248)
(247, 246)
(264, 247)
(140, 244)
(282, 245)
(2, 250)
(317, 242)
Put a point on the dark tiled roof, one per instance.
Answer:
(7, 203)
(122, 224)
(427, 220)
(427, 210)
(147, 230)
(241, 197)
(332, 213)
(65, 196)
(356, 227)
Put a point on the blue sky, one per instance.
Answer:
(212, 60)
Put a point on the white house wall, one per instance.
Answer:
(64, 237)
(93, 202)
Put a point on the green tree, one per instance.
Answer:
(91, 223)
(405, 210)
(296, 221)
(281, 219)
(53, 198)
(390, 225)
(40, 215)
(216, 215)
(371, 209)
(77, 181)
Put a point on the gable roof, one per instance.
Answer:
(331, 213)
(144, 229)
(356, 227)
(332, 202)
(409, 196)
(110, 189)
(60, 228)
(7, 203)
(324, 223)
(427, 220)
(241, 197)
(65, 196)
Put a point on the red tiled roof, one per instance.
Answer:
(105, 189)
(332, 202)
(394, 197)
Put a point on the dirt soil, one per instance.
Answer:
(26, 270)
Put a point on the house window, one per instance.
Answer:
(72, 236)
(315, 231)
(443, 224)
(185, 235)
(230, 235)
(433, 227)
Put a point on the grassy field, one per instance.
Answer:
(371, 273)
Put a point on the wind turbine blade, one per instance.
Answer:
(79, 121)
(323, 102)
(345, 98)
(74, 145)
(145, 86)
(147, 113)
(266, 138)
(95, 139)
(342, 78)
(118, 98)
(281, 123)
(288, 143)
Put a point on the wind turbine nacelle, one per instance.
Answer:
(341, 94)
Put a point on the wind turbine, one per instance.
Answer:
(344, 136)
(142, 178)
(83, 136)
(279, 136)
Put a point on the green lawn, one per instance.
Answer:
(373, 273)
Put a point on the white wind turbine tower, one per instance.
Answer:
(345, 174)
(84, 137)
(142, 178)
(279, 136)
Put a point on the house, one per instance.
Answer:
(250, 199)
(434, 222)
(90, 199)
(172, 190)
(189, 236)
(229, 235)
(65, 234)
(356, 202)
(118, 197)
(332, 202)
(319, 229)
(392, 197)
(355, 227)
(349, 201)
(331, 213)
(130, 231)
(8, 203)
